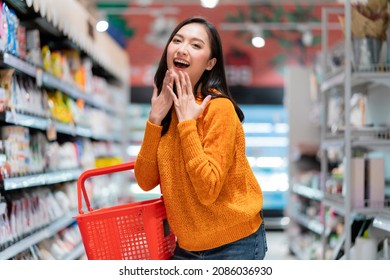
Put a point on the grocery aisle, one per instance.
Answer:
(64, 91)
(278, 246)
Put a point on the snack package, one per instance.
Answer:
(3, 29)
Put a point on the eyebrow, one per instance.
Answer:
(192, 39)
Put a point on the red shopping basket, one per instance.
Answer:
(133, 231)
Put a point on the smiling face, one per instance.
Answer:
(189, 51)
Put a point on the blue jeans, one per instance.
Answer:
(252, 247)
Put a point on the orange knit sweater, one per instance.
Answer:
(210, 192)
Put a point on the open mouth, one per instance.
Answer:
(182, 64)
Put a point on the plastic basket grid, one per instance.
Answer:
(129, 232)
(133, 231)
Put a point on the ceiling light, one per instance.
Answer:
(307, 38)
(101, 26)
(257, 35)
(209, 3)
(258, 42)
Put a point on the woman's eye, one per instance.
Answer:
(196, 46)
(175, 40)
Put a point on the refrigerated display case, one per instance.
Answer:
(266, 131)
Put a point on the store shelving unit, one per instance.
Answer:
(38, 236)
(349, 138)
(36, 180)
(111, 61)
(49, 81)
(304, 137)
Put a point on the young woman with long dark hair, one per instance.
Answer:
(194, 148)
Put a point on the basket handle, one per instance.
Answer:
(96, 172)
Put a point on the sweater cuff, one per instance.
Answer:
(191, 144)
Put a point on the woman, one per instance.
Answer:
(194, 147)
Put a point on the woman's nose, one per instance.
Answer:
(182, 50)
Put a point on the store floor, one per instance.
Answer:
(278, 246)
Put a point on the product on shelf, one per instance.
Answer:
(33, 47)
(17, 148)
(27, 98)
(12, 28)
(3, 28)
(5, 87)
(59, 106)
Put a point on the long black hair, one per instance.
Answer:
(212, 82)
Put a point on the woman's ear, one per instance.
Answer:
(211, 63)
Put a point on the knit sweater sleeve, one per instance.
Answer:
(146, 167)
(208, 161)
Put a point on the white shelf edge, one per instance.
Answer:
(42, 123)
(357, 79)
(52, 81)
(335, 80)
(26, 120)
(382, 222)
(41, 179)
(35, 238)
(308, 192)
(308, 223)
(335, 202)
(19, 64)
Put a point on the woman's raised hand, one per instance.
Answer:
(185, 105)
(161, 103)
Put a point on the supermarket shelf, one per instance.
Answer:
(51, 81)
(376, 139)
(35, 238)
(48, 80)
(351, 78)
(76, 253)
(332, 142)
(42, 120)
(308, 223)
(65, 128)
(307, 192)
(16, 118)
(83, 131)
(382, 221)
(357, 79)
(109, 136)
(19, 64)
(371, 77)
(43, 123)
(41, 179)
(337, 79)
(373, 144)
(336, 202)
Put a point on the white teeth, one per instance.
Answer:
(181, 61)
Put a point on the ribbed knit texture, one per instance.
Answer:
(211, 194)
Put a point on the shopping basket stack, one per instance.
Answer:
(133, 231)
